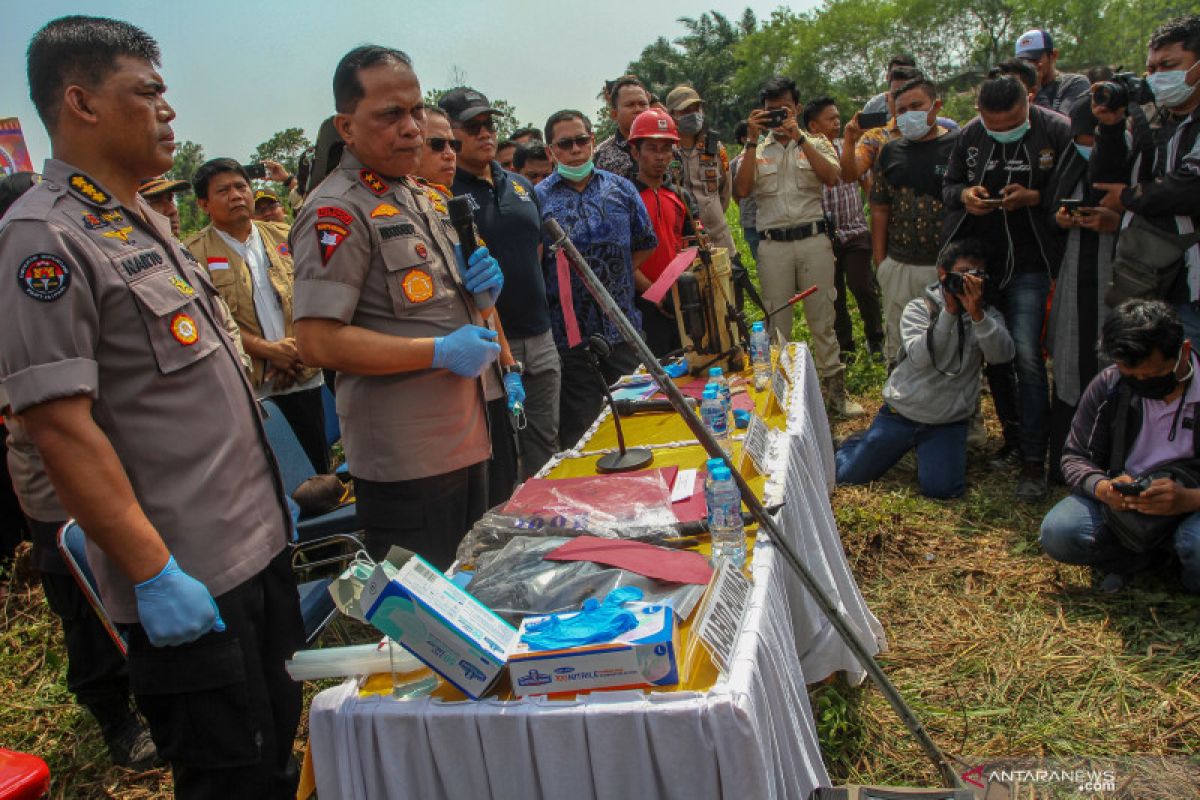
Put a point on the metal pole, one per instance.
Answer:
(765, 521)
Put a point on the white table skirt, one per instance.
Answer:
(750, 736)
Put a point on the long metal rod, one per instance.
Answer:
(631, 335)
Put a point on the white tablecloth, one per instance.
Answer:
(750, 736)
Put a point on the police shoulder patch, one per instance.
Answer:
(44, 277)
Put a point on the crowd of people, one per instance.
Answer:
(1056, 218)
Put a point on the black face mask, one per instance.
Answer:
(1156, 387)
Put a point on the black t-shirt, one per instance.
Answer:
(1009, 163)
(908, 179)
(509, 219)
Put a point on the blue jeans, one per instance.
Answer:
(941, 453)
(1074, 533)
(752, 240)
(1189, 314)
(1024, 308)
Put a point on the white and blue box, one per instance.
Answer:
(642, 656)
(450, 631)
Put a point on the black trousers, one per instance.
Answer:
(429, 516)
(581, 397)
(96, 670)
(660, 331)
(853, 267)
(306, 414)
(222, 709)
(502, 469)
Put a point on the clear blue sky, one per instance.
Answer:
(239, 71)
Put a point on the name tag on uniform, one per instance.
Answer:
(215, 262)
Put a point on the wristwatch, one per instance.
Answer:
(516, 367)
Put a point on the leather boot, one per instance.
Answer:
(839, 405)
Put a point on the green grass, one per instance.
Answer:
(998, 649)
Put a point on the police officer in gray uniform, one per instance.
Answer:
(133, 393)
(382, 296)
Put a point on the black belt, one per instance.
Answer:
(797, 233)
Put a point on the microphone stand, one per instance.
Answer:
(836, 617)
(623, 460)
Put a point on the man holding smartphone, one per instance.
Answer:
(1151, 396)
(999, 167)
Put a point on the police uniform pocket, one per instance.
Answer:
(412, 274)
(767, 177)
(179, 332)
(197, 702)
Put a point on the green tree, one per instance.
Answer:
(285, 146)
(188, 156)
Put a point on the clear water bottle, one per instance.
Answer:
(760, 355)
(712, 413)
(725, 519)
(709, 467)
(717, 375)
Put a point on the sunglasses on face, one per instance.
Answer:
(567, 144)
(475, 126)
(438, 145)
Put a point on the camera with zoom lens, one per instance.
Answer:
(953, 282)
(1123, 90)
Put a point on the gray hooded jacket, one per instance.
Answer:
(939, 386)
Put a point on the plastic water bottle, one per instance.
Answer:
(760, 355)
(725, 519)
(710, 466)
(712, 412)
(717, 375)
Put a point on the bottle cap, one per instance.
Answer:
(721, 473)
(757, 327)
(715, 372)
(712, 464)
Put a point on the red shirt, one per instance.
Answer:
(668, 215)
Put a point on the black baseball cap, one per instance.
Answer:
(463, 104)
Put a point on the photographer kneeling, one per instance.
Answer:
(930, 395)
(1131, 454)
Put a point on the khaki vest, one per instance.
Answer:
(237, 286)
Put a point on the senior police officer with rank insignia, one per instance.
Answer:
(382, 296)
(117, 361)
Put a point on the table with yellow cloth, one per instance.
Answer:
(749, 733)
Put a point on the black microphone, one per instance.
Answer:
(627, 408)
(623, 460)
(462, 219)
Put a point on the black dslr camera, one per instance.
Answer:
(953, 282)
(1124, 89)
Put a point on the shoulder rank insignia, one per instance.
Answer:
(119, 233)
(519, 189)
(437, 199)
(384, 210)
(724, 157)
(82, 185)
(375, 184)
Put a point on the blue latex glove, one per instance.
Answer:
(466, 352)
(175, 608)
(515, 389)
(597, 622)
(481, 273)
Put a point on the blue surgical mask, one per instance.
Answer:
(576, 173)
(691, 124)
(1008, 137)
(913, 124)
(1170, 87)
(1084, 151)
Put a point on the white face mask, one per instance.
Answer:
(1170, 88)
(913, 124)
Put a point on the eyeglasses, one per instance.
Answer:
(438, 145)
(475, 126)
(567, 144)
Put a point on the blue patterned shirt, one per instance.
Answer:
(607, 223)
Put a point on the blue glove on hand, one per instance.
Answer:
(466, 352)
(481, 272)
(175, 608)
(515, 388)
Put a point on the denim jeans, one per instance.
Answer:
(1023, 303)
(752, 239)
(1074, 533)
(941, 453)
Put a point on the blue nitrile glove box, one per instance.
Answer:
(642, 656)
(454, 634)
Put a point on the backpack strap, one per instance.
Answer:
(1116, 457)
